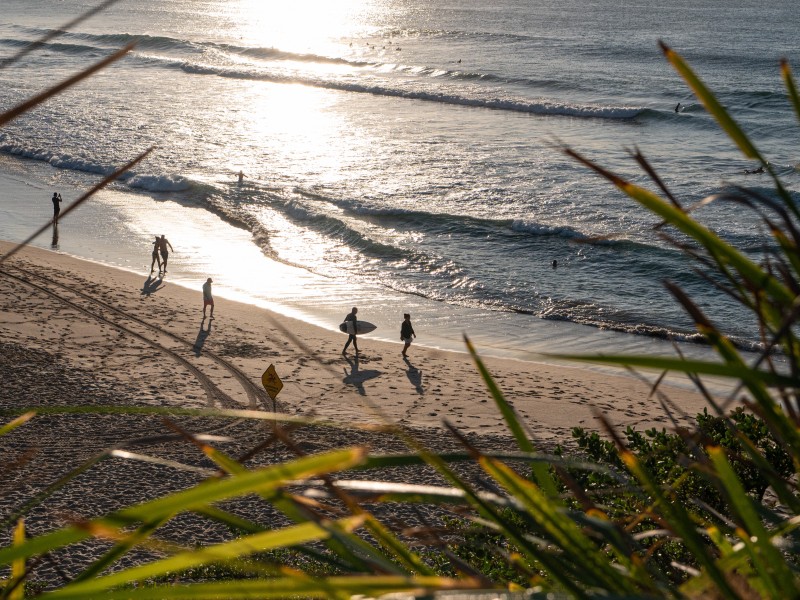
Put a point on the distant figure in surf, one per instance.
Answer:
(755, 171)
(241, 177)
(208, 299)
(406, 332)
(56, 206)
(352, 330)
(156, 246)
(163, 242)
(678, 107)
(555, 264)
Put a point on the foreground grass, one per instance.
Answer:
(657, 514)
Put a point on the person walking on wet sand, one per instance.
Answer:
(208, 299)
(156, 245)
(352, 328)
(406, 333)
(163, 242)
(56, 206)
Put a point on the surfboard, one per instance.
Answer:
(363, 327)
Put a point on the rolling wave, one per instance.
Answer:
(132, 179)
(475, 98)
(543, 107)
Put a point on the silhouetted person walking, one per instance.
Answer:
(156, 246)
(352, 329)
(406, 332)
(163, 242)
(56, 206)
(208, 299)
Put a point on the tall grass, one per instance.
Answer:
(692, 524)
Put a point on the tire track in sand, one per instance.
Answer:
(213, 392)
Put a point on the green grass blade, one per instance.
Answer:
(345, 544)
(119, 549)
(261, 480)
(564, 533)
(283, 587)
(725, 121)
(548, 561)
(791, 87)
(711, 103)
(680, 522)
(680, 365)
(540, 471)
(17, 585)
(768, 560)
(241, 547)
(723, 253)
(13, 424)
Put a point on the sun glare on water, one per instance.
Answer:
(301, 25)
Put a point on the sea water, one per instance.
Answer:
(406, 155)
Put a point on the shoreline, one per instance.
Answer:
(430, 386)
(116, 228)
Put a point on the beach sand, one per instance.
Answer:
(74, 332)
(149, 335)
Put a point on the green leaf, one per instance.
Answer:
(768, 560)
(786, 74)
(283, 587)
(244, 546)
(540, 471)
(20, 420)
(681, 365)
(712, 104)
(564, 533)
(261, 480)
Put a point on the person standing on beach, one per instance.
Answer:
(163, 242)
(406, 333)
(156, 246)
(208, 299)
(352, 329)
(56, 206)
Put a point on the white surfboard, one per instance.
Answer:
(363, 327)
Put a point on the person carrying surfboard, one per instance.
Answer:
(352, 328)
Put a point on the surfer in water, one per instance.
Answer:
(163, 242)
(678, 107)
(241, 177)
(156, 246)
(352, 330)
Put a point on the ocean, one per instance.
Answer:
(406, 155)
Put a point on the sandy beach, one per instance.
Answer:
(78, 333)
(148, 335)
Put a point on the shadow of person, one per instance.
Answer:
(54, 242)
(414, 376)
(356, 377)
(201, 337)
(152, 284)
